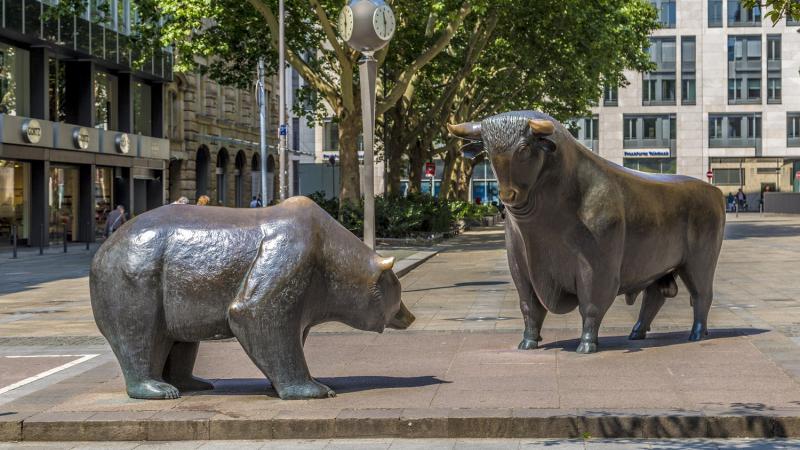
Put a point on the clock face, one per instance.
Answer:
(383, 22)
(346, 23)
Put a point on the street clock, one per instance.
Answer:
(367, 25)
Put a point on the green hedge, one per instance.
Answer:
(399, 217)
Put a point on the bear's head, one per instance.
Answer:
(373, 302)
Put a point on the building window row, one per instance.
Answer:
(658, 86)
(734, 130)
(649, 131)
(688, 70)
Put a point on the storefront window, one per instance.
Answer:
(651, 165)
(103, 198)
(14, 201)
(13, 80)
(63, 203)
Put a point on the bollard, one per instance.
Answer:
(41, 239)
(65, 238)
(14, 240)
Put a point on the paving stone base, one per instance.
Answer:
(388, 423)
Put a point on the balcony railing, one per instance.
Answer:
(31, 18)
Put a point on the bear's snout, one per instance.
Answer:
(402, 320)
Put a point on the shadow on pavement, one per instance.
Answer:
(654, 339)
(744, 230)
(258, 386)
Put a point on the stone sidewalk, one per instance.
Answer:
(456, 372)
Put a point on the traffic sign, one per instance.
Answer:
(709, 174)
(283, 130)
(430, 169)
(797, 175)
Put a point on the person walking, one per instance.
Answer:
(254, 202)
(115, 220)
(741, 199)
(259, 203)
(203, 200)
(731, 202)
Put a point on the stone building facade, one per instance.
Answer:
(214, 141)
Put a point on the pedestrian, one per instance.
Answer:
(259, 203)
(203, 200)
(731, 202)
(181, 201)
(115, 220)
(767, 188)
(254, 202)
(741, 199)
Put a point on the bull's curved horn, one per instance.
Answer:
(386, 263)
(466, 130)
(542, 126)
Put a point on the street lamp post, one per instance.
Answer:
(367, 26)
(282, 129)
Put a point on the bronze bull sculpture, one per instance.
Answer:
(581, 230)
(181, 274)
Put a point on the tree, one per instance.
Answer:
(778, 9)
(515, 55)
(232, 35)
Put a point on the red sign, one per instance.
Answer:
(797, 175)
(430, 169)
(709, 174)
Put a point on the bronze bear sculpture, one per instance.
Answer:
(181, 274)
(581, 230)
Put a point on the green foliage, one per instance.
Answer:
(399, 217)
(775, 10)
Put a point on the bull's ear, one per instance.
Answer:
(542, 127)
(472, 149)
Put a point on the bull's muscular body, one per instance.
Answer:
(581, 230)
(181, 274)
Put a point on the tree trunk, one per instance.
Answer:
(416, 160)
(394, 151)
(349, 128)
(451, 162)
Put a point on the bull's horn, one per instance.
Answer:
(542, 126)
(386, 263)
(466, 130)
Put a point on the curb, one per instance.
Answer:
(394, 423)
(406, 265)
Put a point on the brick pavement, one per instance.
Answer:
(456, 371)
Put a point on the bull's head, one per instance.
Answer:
(518, 145)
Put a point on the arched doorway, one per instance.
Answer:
(255, 175)
(241, 164)
(270, 179)
(201, 172)
(222, 176)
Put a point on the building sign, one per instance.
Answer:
(663, 153)
(32, 131)
(80, 137)
(123, 143)
(430, 169)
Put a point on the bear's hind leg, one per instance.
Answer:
(178, 369)
(142, 364)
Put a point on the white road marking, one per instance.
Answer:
(82, 359)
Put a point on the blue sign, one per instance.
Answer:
(283, 130)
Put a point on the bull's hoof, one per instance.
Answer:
(528, 344)
(192, 384)
(586, 347)
(698, 332)
(153, 390)
(639, 332)
(305, 391)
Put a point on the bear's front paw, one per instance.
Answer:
(305, 391)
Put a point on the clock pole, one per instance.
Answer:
(368, 68)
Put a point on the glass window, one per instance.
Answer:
(668, 51)
(630, 129)
(738, 15)
(105, 101)
(14, 201)
(141, 108)
(753, 126)
(649, 128)
(56, 91)
(734, 127)
(14, 78)
(666, 12)
(754, 49)
(753, 89)
(651, 165)
(688, 92)
(793, 129)
(330, 141)
(64, 203)
(103, 198)
(714, 13)
(610, 94)
(774, 90)
(728, 177)
(774, 48)
(715, 128)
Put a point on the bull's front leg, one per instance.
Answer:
(597, 290)
(533, 313)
